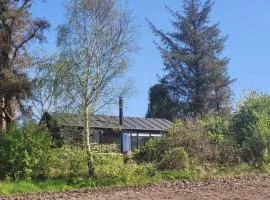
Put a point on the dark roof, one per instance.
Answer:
(112, 122)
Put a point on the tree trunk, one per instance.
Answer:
(3, 126)
(90, 158)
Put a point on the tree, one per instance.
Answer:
(160, 103)
(17, 30)
(47, 86)
(251, 128)
(196, 73)
(95, 43)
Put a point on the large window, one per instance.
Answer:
(139, 139)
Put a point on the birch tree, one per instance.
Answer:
(95, 45)
(47, 88)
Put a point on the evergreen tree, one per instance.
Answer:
(196, 73)
(17, 30)
(160, 104)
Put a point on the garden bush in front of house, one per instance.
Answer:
(24, 152)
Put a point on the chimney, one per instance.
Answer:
(121, 122)
(120, 111)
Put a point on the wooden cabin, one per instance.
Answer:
(132, 134)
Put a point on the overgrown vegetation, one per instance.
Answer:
(251, 127)
(241, 137)
(24, 152)
(235, 144)
(94, 47)
(195, 141)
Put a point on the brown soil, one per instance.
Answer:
(255, 188)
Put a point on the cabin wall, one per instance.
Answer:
(131, 140)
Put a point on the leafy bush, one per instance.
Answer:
(152, 151)
(207, 140)
(224, 147)
(217, 127)
(176, 158)
(24, 152)
(188, 136)
(226, 151)
(68, 161)
(105, 148)
(192, 136)
(251, 127)
(112, 167)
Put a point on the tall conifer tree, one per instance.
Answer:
(17, 30)
(196, 72)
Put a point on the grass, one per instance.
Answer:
(19, 187)
(11, 188)
(111, 171)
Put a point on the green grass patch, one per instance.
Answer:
(11, 188)
(111, 171)
(8, 188)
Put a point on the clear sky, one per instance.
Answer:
(247, 22)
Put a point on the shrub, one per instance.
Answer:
(112, 168)
(24, 152)
(71, 162)
(226, 151)
(192, 136)
(68, 162)
(176, 158)
(217, 127)
(105, 148)
(251, 127)
(207, 140)
(224, 147)
(152, 151)
(189, 135)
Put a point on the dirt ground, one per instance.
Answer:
(255, 188)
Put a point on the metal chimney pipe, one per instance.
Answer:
(120, 111)
(121, 122)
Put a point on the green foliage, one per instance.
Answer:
(187, 139)
(105, 148)
(17, 32)
(52, 125)
(152, 151)
(160, 103)
(251, 127)
(112, 167)
(24, 152)
(176, 158)
(217, 126)
(207, 140)
(192, 136)
(8, 188)
(195, 73)
(224, 147)
(144, 174)
(68, 162)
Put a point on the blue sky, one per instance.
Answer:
(247, 22)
